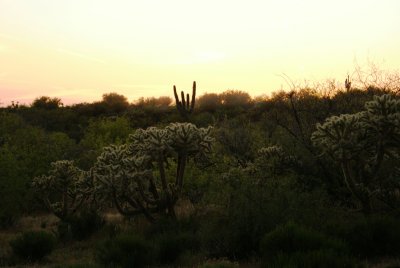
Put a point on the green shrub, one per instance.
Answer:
(371, 237)
(33, 246)
(85, 224)
(291, 238)
(125, 250)
(312, 259)
(170, 246)
(292, 245)
(169, 225)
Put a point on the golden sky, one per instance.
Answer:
(79, 49)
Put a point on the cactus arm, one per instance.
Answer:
(183, 100)
(193, 96)
(176, 97)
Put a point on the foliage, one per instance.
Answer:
(162, 102)
(170, 246)
(312, 259)
(235, 98)
(291, 245)
(47, 103)
(252, 201)
(85, 224)
(374, 236)
(290, 238)
(365, 145)
(101, 133)
(114, 103)
(33, 245)
(239, 139)
(125, 250)
(134, 175)
(209, 102)
(25, 152)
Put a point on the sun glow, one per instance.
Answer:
(78, 50)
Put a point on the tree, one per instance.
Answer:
(114, 103)
(209, 102)
(366, 146)
(47, 103)
(235, 98)
(100, 133)
(134, 176)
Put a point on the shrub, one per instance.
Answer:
(313, 259)
(85, 224)
(33, 246)
(292, 245)
(125, 250)
(371, 237)
(170, 246)
(291, 238)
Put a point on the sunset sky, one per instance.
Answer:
(79, 49)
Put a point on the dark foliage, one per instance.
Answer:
(85, 224)
(292, 245)
(125, 250)
(33, 246)
(375, 236)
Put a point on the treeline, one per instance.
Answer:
(319, 167)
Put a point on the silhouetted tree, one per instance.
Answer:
(235, 98)
(47, 103)
(114, 103)
(209, 102)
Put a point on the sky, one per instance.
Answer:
(78, 50)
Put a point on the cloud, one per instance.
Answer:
(80, 55)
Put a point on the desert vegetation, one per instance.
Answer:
(306, 178)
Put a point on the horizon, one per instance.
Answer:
(79, 50)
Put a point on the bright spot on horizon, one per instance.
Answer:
(78, 50)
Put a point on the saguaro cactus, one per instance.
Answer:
(347, 83)
(185, 106)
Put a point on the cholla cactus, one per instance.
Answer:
(62, 190)
(362, 144)
(134, 175)
(275, 160)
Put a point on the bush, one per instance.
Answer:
(371, 237)
(170, 246)
(125, 250)
(80, 226)
(313, 259)
(85, 224)
(291, 238)
(291, 245)
(33, 246)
